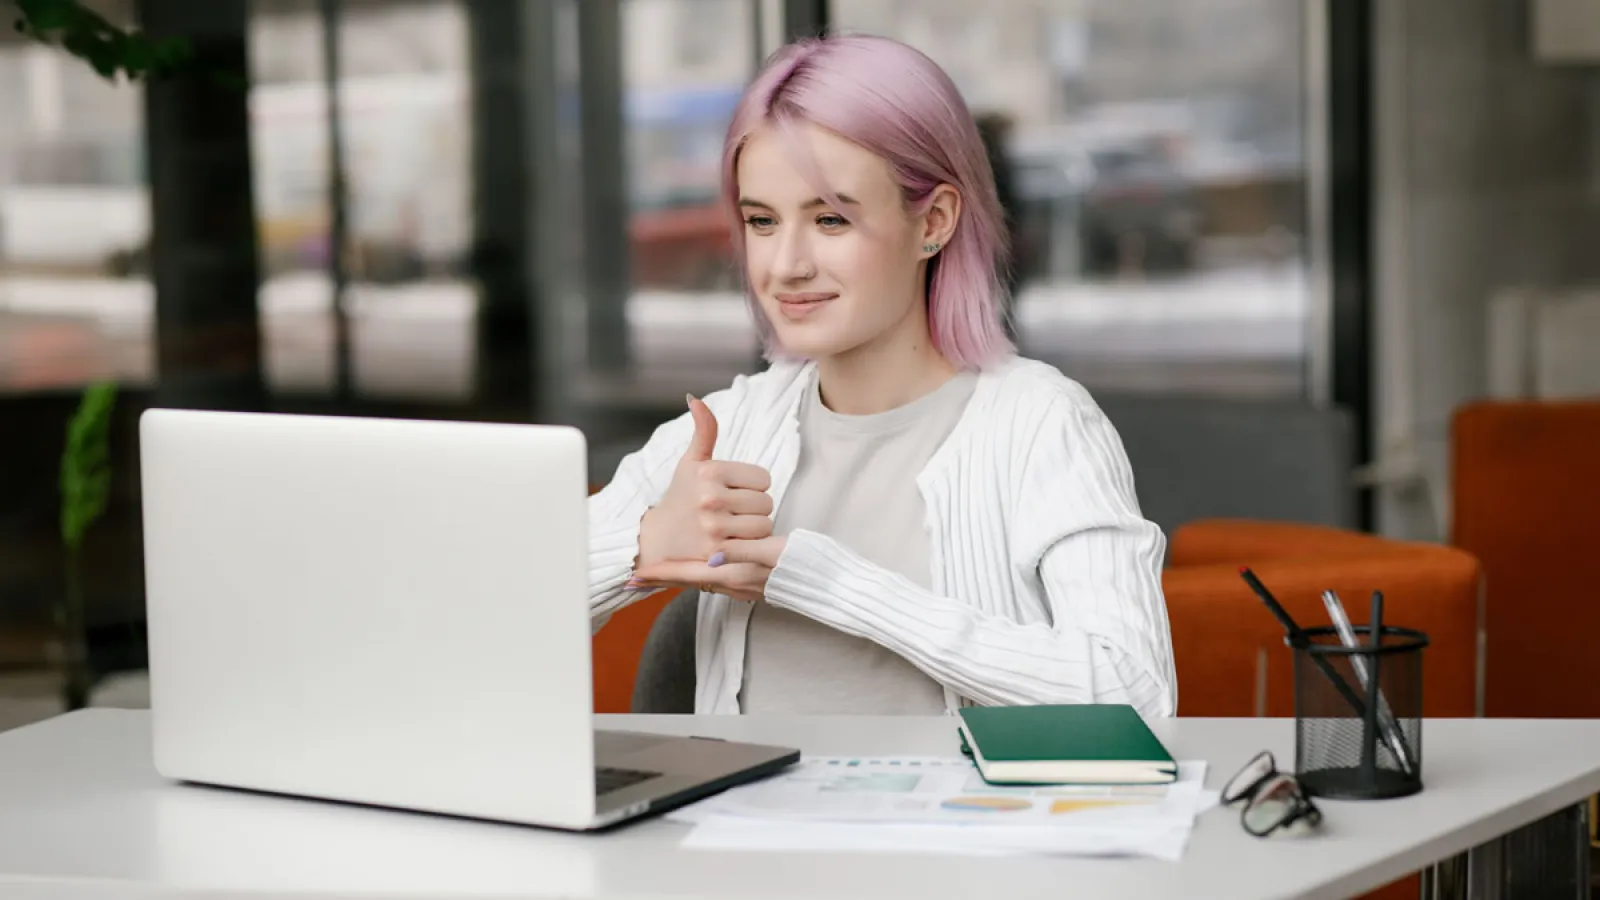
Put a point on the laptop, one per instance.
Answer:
(393, 613)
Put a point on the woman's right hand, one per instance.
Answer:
(708, 503)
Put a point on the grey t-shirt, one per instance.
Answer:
(856, 482)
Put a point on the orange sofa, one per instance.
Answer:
(1221, 632)
(617, 650)
(1526, 501)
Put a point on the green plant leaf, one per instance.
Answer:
(109, 50)
(46, 15)
(86, 463)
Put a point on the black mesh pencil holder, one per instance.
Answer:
(1358, 713)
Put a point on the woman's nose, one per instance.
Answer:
(794, 257)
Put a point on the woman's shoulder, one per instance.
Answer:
(1032, 391)
(1052, 424)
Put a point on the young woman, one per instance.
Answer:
(899, 515)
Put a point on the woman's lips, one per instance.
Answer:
(798, 306)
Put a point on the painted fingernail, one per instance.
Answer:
(717, 559)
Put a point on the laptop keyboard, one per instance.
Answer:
(608, 778)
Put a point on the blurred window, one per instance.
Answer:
(1159, 183)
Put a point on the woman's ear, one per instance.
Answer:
(939, 221)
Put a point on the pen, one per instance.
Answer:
(1392, 736)
(1298, 638)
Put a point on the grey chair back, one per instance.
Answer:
(665, 682)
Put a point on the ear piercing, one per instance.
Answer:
(931, 248)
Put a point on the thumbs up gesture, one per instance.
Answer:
(712, 529)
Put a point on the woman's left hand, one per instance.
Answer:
(739, 570)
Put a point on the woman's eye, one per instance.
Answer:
(758, 221)
(831, 221)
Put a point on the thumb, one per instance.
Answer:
(705, 430)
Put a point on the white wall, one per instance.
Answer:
(1488, 176)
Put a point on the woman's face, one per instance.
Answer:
(832, 281)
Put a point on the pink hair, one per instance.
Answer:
(897, 103)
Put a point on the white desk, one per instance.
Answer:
(82, 813)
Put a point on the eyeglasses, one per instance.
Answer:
(1272, 799)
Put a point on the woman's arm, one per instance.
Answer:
(1098, 563)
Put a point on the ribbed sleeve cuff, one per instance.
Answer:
(613, 545)
(814, 578)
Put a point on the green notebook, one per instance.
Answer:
(1105, 743)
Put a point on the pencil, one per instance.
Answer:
(1298, 638)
